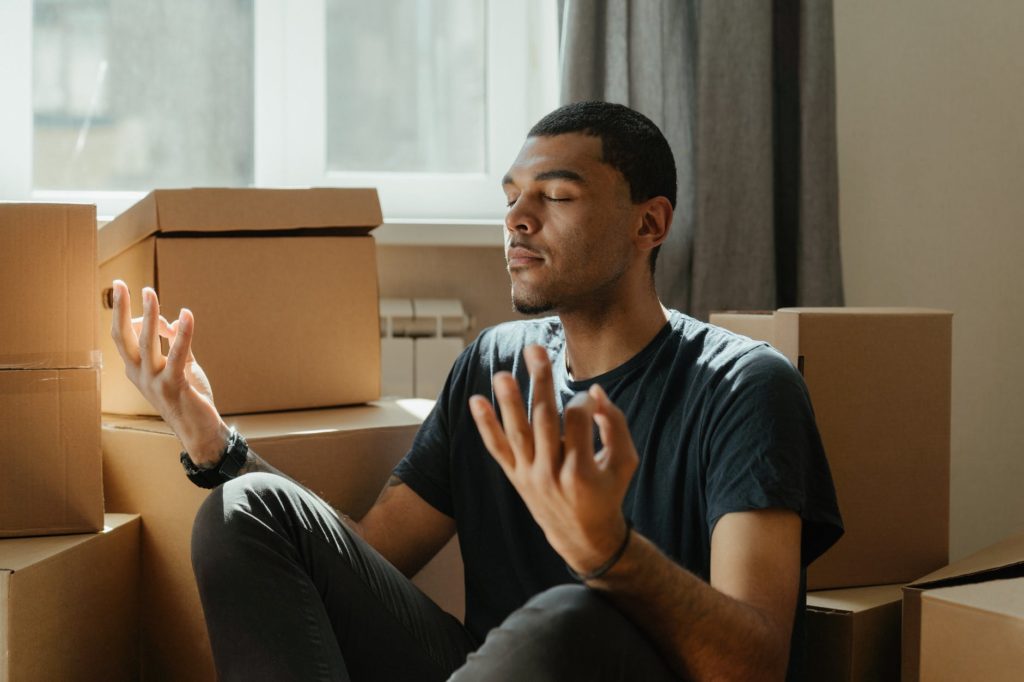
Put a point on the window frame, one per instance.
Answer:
(289, 144)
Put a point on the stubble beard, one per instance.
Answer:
(525, 306)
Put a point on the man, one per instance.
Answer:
(668, 542)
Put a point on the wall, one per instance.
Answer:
(931, 169)
(474, 274)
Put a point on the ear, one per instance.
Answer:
(656, 220)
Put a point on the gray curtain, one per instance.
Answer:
(744, 90)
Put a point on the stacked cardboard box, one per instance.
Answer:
(343, 454)
(69, 605)
(283, 285)
(50, 471)
(853, 635)
(879, 380)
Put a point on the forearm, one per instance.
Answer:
(703, 633)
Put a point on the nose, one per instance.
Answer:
(520, 218)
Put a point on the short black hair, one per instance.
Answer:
(630, 143)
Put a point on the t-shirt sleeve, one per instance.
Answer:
(426, 468)
(764, 450)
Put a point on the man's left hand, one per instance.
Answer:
(574, 494)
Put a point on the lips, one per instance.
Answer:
(519, 257)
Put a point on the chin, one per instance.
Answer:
(525, 305)
(531, 309)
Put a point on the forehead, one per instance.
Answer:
(574, 152)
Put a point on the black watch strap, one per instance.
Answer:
(231, 462)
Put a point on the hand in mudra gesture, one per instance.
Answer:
(573, 493)
(174, 384)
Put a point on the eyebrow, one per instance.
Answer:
(556, 174)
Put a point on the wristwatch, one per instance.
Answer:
(230, 463)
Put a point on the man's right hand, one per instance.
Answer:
(175, 385)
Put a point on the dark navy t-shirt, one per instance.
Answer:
(721, 423)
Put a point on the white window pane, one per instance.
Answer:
(405, 86)
(131, 95)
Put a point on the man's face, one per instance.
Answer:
(567, 230)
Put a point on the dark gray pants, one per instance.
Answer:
(290, 593)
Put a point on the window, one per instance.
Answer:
(428, 100)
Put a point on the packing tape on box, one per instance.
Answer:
(76, 360)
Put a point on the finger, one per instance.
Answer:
(491, 432)
(180, 352)
(513, 416)
(125, 339)
(614, 430)
(547, 442)
(149, 348)
(165, 329)
(579, 434)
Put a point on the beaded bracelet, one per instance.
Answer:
(606, 566)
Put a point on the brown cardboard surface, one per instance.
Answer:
(344, 454)
(1001, 561)
(239, 209)
(880, 384)
(854, 634)
(973, 632)
(47, 276)
(50, 470)
(69, 605)
(286, 310)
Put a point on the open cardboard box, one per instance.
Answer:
(973, 632)
(853, 635)
(880, 384)
(283, 285)
(1000, 562)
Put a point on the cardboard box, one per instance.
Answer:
(853, 635)
(1001, 561)
(973, 632)
(283, 285)
(69, 605)
(51, 477)
(344, 454)
(48, 276)
(879, 380)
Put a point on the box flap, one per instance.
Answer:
(17, 554)
(352, 210)
(1004, 597)
(1004, 559)
(854, 600)
(276, 425)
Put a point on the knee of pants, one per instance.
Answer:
(559, 634)
(226, 517)
(567, 611)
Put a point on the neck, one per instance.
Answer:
(602, 337)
